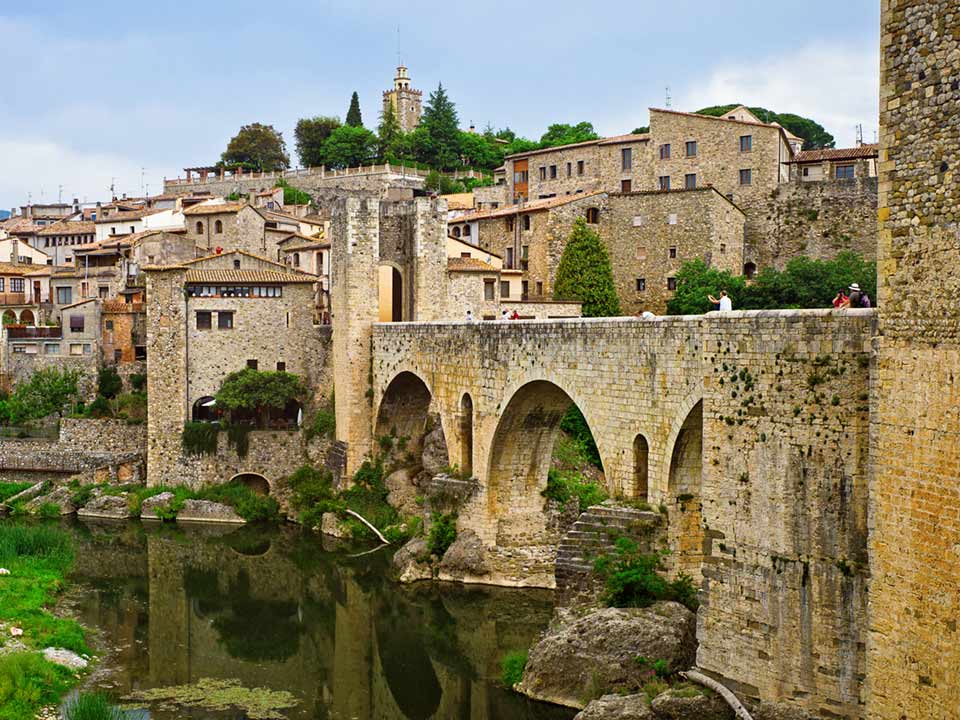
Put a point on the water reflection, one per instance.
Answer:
(276, 609)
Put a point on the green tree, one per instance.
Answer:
(258, 391)
(480, 151)
(389, 133)
(437, 140)
(291, 195)
(311, 134)
(564, 134)
(109, 384)
(256, 147)
(349, 146)
(813, 134)
(642, 130)
(48, 391)
(354, 118)
(585, 274)
(696, 281)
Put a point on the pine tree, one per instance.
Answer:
(353, 114)
(585, 274)
(441, 127)
(388, 133)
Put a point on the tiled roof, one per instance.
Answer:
(535, 206)
(459, 201)
(204, 209)
(864, 151)
(307, 244)
(247, 276)
(14, 268)
(456, 264)
(629, 137)
(69, 227)
(473, 245)
(612, 140)
(127, 215)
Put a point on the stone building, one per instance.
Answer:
(123, 333)
(58, 239)
(406, 102)
(837, 164)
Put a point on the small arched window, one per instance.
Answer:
(749, 269)
(218, 227)
(199, 228)
(466, 231)
(456, 232)
(593, 215)
(296, 259)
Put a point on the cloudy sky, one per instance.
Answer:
(101, 91)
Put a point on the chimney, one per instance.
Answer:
(14, 250)
(76, 205)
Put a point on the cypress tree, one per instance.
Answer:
(585, 274)
(353, 114)
(389, 132)
(442, 128)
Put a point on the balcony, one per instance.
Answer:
(13, 298)
(17, 332)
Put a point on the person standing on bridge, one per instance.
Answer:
(724, 303)
(469, 316)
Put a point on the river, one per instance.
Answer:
(280, 609)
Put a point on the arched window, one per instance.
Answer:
(199, 228)
(456, 231)
(749, 269)
(593, 215)
(466, 231)
(296, 259)
(218, 227)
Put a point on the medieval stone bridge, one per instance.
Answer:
(750, 429)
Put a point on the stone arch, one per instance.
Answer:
(404, 409)
(641, 468)
(685, 494)
(391, 292)
(218, 227)
(199, 227)
(456, 231)
(204, 409)
(26, 317)
(749, 269)
(253, 480)
(9, 317)
(466, 434)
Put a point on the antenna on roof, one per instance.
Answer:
(669, 98)
(399, 56)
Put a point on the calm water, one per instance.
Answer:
(278, 609)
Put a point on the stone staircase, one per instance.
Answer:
(594, 534)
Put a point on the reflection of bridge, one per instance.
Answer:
(749, 427)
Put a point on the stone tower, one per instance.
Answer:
(407, 102)
(913, 646)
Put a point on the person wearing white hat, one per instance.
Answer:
(853, 297)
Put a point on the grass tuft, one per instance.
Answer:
(512, 666)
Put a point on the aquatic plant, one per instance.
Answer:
(91, 706)
(218, 695)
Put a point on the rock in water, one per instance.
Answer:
(402, 492)
(617, 707)
(59, 496)
(106, 506)
(691, 704)
(150, 506)
(598, 652)
(330, 525)
(412, 561)
(466, 559)
(66, 658)
(435, 458)
(207, 511)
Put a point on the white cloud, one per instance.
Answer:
(35, 166)
(838, 87)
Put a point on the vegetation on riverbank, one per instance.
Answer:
(9, 489)
(633, 579)
(38, 558)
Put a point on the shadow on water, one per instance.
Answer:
(278, 609)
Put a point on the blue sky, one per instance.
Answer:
(98, 90)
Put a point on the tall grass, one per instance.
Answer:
(28, 682)
(9, 489)
(91, 706)
(512, 666)
(34, 541)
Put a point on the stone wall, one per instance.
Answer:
(814, 218)
(913, 666)
(117, 436)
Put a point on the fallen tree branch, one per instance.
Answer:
(362, 519)
(696, 676)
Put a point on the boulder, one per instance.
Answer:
(775, 711)
(61, 497)
(150, 506)
(207, 511)
(402, 493)
(412, 562)
(66, 658)
(617, 707)
(434, 457)
(466, 559)
(107, 506)
(599, 652)
(330, 525)
(691, 703)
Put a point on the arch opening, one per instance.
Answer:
(641, 452)
(255, 481)
(749, 270)
(684, 492)
(466, 434)
(404, 410)
(26, 317)
(390, 294)
(9, 317)
(205, 410)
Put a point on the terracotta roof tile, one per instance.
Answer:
(534, 206)
(128, 215)
(68, 227)
(204, 209)
(15, 268)
(629, 137)
(247, 276)
(456, 264)
(864, 151)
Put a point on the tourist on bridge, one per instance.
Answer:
(854, 299)
(469, 316)
(723, 303)
(840, 299)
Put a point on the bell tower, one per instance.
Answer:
(407, 103)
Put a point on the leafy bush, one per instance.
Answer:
(368, 497)
(28, 682)
(109, 383)
(200, 438)
(99, 408)
(443, 532)
(81, 494)
(585, 273)
(632, 579)
(48, 391)
(91, 706)
(512, 666)
(49, 511)
(138, 381)
(259, 391)
(575, 425)
(564, 486)
(324, 424)
(238, 435)
(251, 506)
(313, 494)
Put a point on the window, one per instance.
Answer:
(113, 231)
(87, 348)
(51, 349)
(132, 229)
(466, 255)
(199, 228)
(723, 247)
(626, 159)
(673, 253)
(488, 289)
(236, 264)
(526, 222)
(525, 288)
(539, 287)
(690, 181)
(543, 172)
(504, 288)
(626, 186)
(664, 182)
(76, 323)
(103, 291)
(1, 284)
(456, 231)
(691, 148)
(524, 257)
(665, 151)
(225, 320)
(64, 295)
(593, 215)
(252, 364)
(16, 285)
(845, 172)
(203, 319)
(746, 177)
(218, 227)
(108, 325)
(508, 264)
(671, 283)
(281, 366)
(296, 259)
(641, 284)
(806, 171)
(75, 349)
(509, 224)
(553, 172)
(579, 167)
(746, 143)
(569, 169)
(672, 219)
(638, 220)
(118, 356)
(466, 231)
